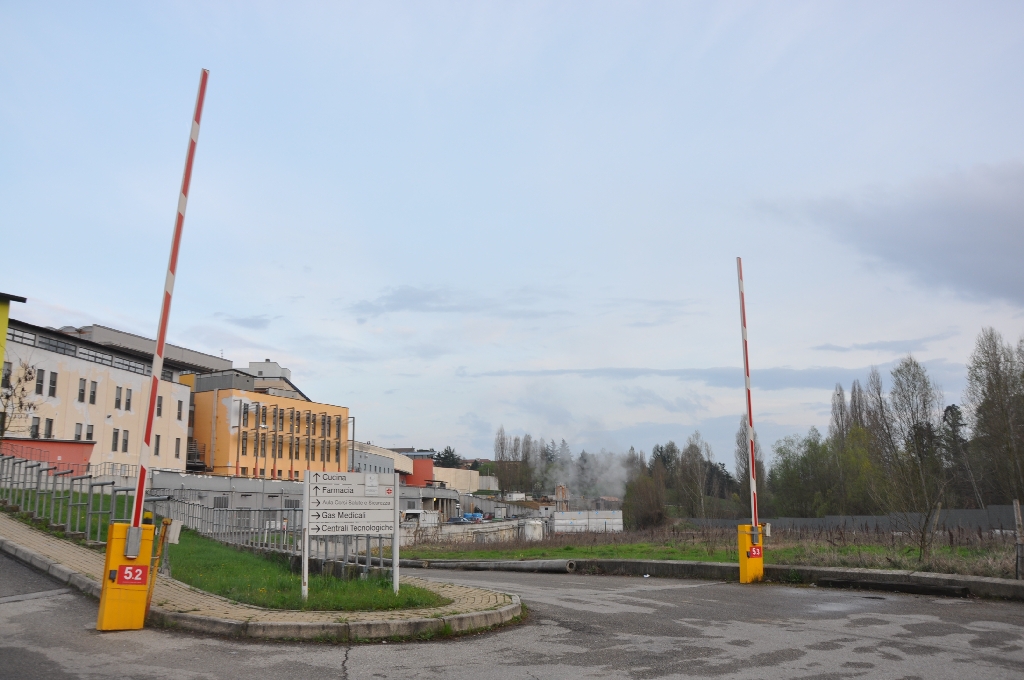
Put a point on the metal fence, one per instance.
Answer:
(80, 505)
(275, 530)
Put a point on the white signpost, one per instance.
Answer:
(350, 504)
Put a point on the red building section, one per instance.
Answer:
(64, 454)
(422, 472)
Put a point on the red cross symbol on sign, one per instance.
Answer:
(388, 492)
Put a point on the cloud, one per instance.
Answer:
(427, 300)
(781, 378)
(649, 313)
(964, 231)
(258, 322)
(898, 346)
(639, 396)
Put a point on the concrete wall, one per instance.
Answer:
(592, 520)
(465, 481)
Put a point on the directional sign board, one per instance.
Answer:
(350, 503)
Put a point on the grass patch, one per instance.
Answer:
(266, 581)
(958, 554)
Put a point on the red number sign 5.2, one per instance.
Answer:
(755, 551)
(131, 575)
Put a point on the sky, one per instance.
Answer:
(454, 216)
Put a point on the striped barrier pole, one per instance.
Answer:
(165, 309)
(750, 413)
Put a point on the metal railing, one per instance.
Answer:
(277, 530)
(80, 505)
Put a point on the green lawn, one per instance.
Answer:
(634, 551)
(268, 582)
(992, 560)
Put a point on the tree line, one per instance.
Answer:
(893, 447)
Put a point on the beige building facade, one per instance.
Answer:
(84, 390)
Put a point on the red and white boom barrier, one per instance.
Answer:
(750, 413)
(165, 309)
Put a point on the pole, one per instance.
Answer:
(155, 563)
(238, 441)
(352, 456)
(750, 414)
(1020, 539)
(165, 308)
(305, 538)
(396, 539)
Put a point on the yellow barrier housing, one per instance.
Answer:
(751, 553)
(125, 581)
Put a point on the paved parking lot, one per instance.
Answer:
(579, 627)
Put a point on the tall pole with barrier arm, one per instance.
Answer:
(751, 547)
(130, 546)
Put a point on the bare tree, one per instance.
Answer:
(502, 466)
(742, 456)
(910, 479)
(699, 485)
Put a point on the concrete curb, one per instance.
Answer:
(48, 566)
(537, 566)
(342, 631)
(978, 586)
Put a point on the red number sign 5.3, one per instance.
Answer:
(755, 551)
(131, 575)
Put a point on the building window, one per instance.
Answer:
(245, 415)
(337, 455)
(263, 472)
(245, 445)
(245, 471)
(53, 384)
(156, 445)
(78, 432)
(159, 406)
(177, 447)
(92, 392)
(280, 446)
(307, 422)
(263, 420)
(128, 399)
(48, 429)
(263, 446)
(222, 502)
(81, 390)
(307, 448)
(273, 446)
(117, 397)
(34, 432)
(5, 380)
(88, 433)
(124, 441)
(114, 439)
(179, 409)
(40, 380)
(328, 433)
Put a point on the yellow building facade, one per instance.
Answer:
(246, 433)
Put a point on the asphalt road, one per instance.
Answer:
(578, 627)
